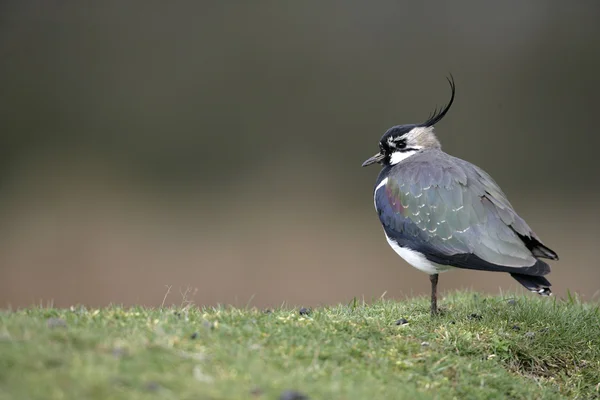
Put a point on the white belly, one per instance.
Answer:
(417, 260)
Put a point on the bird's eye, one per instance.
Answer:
(400, 143)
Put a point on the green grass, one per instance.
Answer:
(479, 348)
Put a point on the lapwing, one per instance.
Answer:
(440, 212)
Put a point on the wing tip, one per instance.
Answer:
(537, 248)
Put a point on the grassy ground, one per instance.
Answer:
(480, 348)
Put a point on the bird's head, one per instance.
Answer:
(401, 141)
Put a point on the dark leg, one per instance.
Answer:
(434, 280)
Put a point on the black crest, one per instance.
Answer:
(436, 116)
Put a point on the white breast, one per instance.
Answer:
(416, 259)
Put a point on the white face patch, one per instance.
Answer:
(398, 156)
(417, 259)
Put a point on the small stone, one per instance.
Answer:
(304, 311)
(424, 344)
(530, 335)
(512, 302)
(402, 321)
(194, 335)
(119, 352)
(151, 386)
(292, 395)
(475, 316)
(56, 323)
(516, 327)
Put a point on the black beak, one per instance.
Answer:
(377, 158)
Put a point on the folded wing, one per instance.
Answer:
(455, 214)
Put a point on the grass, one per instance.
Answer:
(479, 348)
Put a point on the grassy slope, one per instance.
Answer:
(351, 351)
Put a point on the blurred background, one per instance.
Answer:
(217, 146)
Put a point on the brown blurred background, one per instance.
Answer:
(217, 146)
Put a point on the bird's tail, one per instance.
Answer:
(536, 284)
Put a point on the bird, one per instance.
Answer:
(440, 212)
